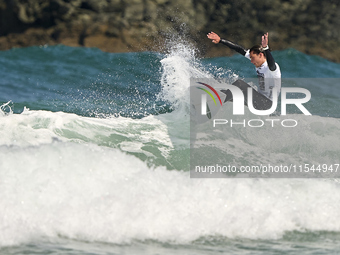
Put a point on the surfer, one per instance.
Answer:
(268, 71)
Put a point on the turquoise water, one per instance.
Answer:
(94, 158)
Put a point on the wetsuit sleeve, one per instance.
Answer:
(270, 60)
(234, 46)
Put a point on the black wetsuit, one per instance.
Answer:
(269, 72)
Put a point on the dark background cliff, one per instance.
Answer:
(310, 26)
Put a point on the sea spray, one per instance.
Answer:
(178, 66)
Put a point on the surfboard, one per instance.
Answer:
(260, 102)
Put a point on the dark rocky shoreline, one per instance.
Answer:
(310, 26)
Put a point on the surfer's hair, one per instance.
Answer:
(257, 49)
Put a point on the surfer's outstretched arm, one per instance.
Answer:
(270, 60)
(269, 57)
(216, 39)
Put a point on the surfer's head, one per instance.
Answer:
(257, 56)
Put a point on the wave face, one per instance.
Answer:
(95, 149)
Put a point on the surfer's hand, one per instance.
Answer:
(265, 40)
(214, 37)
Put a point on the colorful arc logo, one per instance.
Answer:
(209, 93)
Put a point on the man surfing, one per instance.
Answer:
(268, 71)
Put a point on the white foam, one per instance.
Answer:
(6, 109)
(42, 127)
(93, 193)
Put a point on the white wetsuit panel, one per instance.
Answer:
(268, 79)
